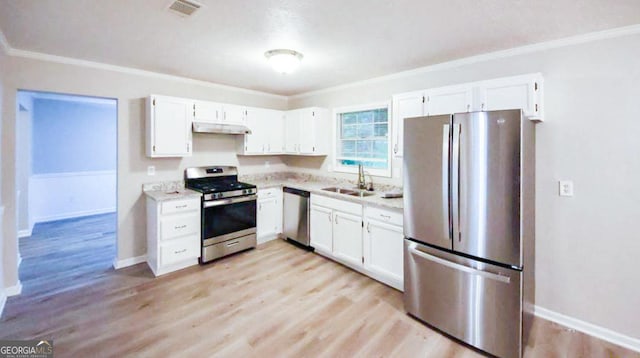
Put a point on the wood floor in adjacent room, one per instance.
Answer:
(274, 301)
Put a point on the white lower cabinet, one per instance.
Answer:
(321, 229)
(377, 251)
(173, 234)
(269, 215)
(347, 238)
(383, 246)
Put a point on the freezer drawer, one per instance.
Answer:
(475, 302)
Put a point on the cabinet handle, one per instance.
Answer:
(395, 148)
(386, 217)
(368, 227)
(329, 217)
(482, 107)
(260, 206)
(180, 227)
(180, 251)
(181, 206)
(468, 108)
(336, 219)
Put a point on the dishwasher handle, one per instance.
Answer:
(298, 192)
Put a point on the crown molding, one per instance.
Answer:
(541, 46)
(127, 70)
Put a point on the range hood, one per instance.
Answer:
(204, 127)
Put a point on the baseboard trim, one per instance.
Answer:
(589, 328)
(25, 233)
(118, 264)
(75, 214)
(13, 290)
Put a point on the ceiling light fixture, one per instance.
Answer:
(283, 60)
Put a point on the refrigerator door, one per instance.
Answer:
(426, 149)
(486, 185)
(475, 302)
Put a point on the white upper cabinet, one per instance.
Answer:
(233, 114)
(405, 105)
(447, 100)
(168, 126)
(291, 132)
(208, 112)
(267, 133)
(314, 131)
(275, 132)
(519, 92)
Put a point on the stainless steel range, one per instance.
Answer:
(228, 210)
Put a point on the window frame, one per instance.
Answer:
(337, 112)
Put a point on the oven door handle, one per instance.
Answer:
(240, 199)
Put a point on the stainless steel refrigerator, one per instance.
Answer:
(469, 226)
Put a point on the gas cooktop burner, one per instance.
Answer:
(217, 182)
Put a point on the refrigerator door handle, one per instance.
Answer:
(455, 183)
(490, 275)
(446, 131)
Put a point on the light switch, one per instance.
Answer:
(565, 187)
(151, 170)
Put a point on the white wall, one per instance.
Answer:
(73, 195)
(587, 246)
(23, 161)
(129, 89)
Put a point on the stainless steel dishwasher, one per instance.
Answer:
(296, 216)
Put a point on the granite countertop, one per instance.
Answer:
(315, 187)
(168, 190)
(161, 195)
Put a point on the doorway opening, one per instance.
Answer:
(66, 177)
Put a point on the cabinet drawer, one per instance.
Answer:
(180, 206)
(269, 193)
(387, 216)
(179, 225)
(179, 250)
(336, 204)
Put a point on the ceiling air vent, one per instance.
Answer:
(184, 8)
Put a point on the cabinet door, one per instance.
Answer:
(267, 217)
(275, 132)
(208, 112)
(292, 132)
(404, 106)
(233, 114)
(518, 92)
(347, 237)
(170, 127)
(321, 229)
(449, 100)
(383, 251)
(307, 144)
(255, 143)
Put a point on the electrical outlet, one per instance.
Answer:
(151, 170)
(565, 188)
(267, 164)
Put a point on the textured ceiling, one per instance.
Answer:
(342, 41)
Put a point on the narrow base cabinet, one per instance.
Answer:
(269, 218)
(383, 246)
(369, 239)
(173, 234)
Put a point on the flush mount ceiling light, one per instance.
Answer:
(283, 60)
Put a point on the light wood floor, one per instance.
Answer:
(274, 301)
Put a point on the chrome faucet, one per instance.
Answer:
(361, 181)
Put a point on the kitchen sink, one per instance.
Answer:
(361, 193)
(340, 190)
(351, 192)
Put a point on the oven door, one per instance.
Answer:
(228, 219)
